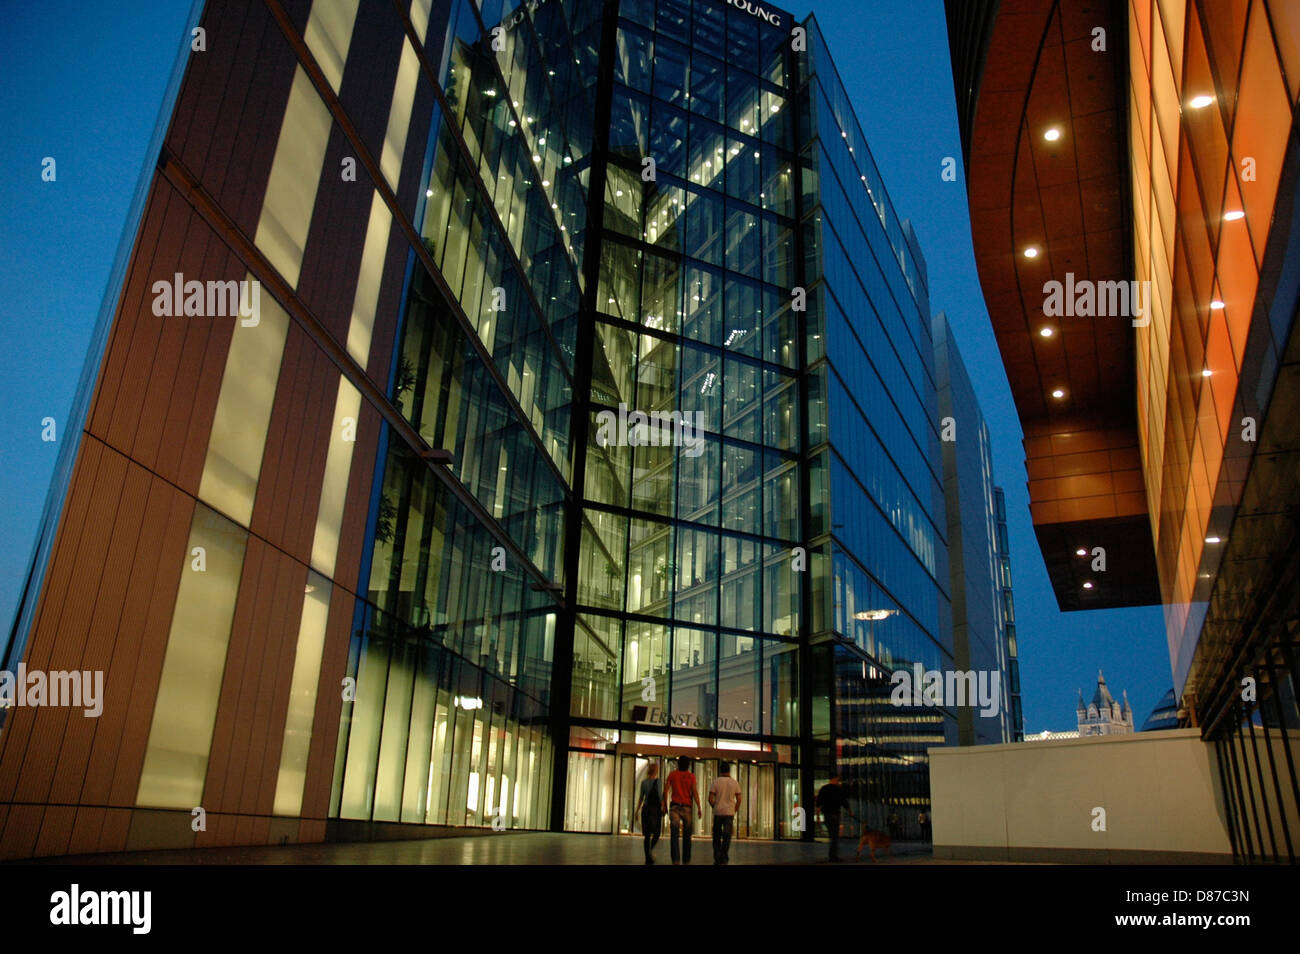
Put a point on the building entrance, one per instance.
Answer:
(755, 771)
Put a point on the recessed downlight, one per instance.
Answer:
(1206, 372)
(1088, 585)
(1216, 304)
(1031, 251)
(1058, 394)
(1045, 332)
(1234, 215)
(1213, 539)
(1201, 101)
(1082, 551)
(1052, 134)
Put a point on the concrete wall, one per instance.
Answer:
(1034, 801)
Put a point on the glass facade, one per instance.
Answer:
(880, 599)
(982, 608)
(688, 609)
(453, 653)
(1015, 713)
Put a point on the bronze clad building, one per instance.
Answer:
(1134, 167)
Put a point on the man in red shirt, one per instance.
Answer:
(682, 792)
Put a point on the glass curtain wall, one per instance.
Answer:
(689, 607)
(880, 566)
(451, 658)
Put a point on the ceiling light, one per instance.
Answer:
(1200, 102)
(1234, 215)
(1046, 332)
(1081, 552)
(1052, 134)
(428, 193)
(1087, 586)
(1206, 373)
(1216, 304)
(1213, 540)
(1058, 393)
(1031, 252)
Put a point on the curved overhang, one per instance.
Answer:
(1042, 90)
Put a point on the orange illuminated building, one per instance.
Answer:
(1144, 153)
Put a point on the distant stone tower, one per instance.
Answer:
(1104, 716)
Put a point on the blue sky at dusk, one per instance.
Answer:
(84, 83)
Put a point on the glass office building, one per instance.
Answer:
(1014, 710)
(983, 612)
(576, 408)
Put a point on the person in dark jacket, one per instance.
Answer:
(831, 799)
(650, 807)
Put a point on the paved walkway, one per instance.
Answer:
(506, 848)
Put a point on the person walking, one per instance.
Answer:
(724, 796)
(650, 808)
(924, 821)
(683, 794)
(831, 800)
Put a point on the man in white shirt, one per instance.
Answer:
(724, 797)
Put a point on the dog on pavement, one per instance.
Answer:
(873, 840)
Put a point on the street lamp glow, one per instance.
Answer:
(875, 615)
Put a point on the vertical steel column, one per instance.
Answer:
(1259, 773)
(1229, 805)
(1236, 778)
(562, 666)
(804, 655)
(1272, 765)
